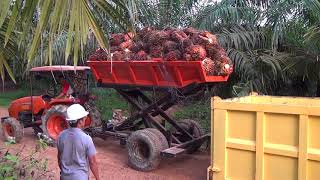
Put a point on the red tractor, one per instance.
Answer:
(44, 113)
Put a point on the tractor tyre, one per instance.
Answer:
(54, 121)
(94, 113)
(163, 139)
(192, 127)
(12, 129)
(144, 149)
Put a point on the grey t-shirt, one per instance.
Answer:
(75, 148)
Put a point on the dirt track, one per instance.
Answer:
(112, 159)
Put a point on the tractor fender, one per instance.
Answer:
(24, 104)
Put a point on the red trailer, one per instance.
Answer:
(146, 137)
(155, 73)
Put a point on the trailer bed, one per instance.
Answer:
(154, 73)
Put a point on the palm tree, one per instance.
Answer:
(166, 13)
(265, 40)
(49, 19)
(9, 51)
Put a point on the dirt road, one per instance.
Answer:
(112, 159)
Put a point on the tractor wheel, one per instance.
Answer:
(163, 139)
(144, 148)
(94, 113)
(54, 122)
(12, 129)
(192, 127)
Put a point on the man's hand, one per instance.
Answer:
(94, 166)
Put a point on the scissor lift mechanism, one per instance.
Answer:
(145, 115)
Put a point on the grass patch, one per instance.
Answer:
(7, 97)
(107, 100)
(198, 111)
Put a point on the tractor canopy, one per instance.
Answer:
(60, 68)
(76, 76)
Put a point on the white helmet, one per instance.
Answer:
(75, 112)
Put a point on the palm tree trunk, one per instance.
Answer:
(318, 88)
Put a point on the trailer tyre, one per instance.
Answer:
(12, 129)
(192, 127)
(162, 138)
(144, 149)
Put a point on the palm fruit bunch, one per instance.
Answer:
(118, 56)
(169, 44)
(136, 46)
(208, 66)
(117, 39)
(196, 52)
(173, 56)
(100, 54)
(140, 56)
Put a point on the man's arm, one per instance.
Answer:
(91, 154)
(61, 95)
(59, 154)
(94, 166)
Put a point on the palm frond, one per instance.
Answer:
(55, 16)
(4, 9)
(58, 47)
(299, 63)
(278, 15)
(313, 6)
(254, 71)
(166, 13)
(7, 53)
(211, 17)
(242, 38)
(312, 38)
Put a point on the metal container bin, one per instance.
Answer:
(265, 138)
(152, 73)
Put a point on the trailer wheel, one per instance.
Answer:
(192, 127)
(12, 129)
(53, 122)
(144, 149)
(163, 139)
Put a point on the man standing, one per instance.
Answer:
(76, 151)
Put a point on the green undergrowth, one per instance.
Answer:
(24, 163)
(107, 100)
(198, 111)
(7, 97)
